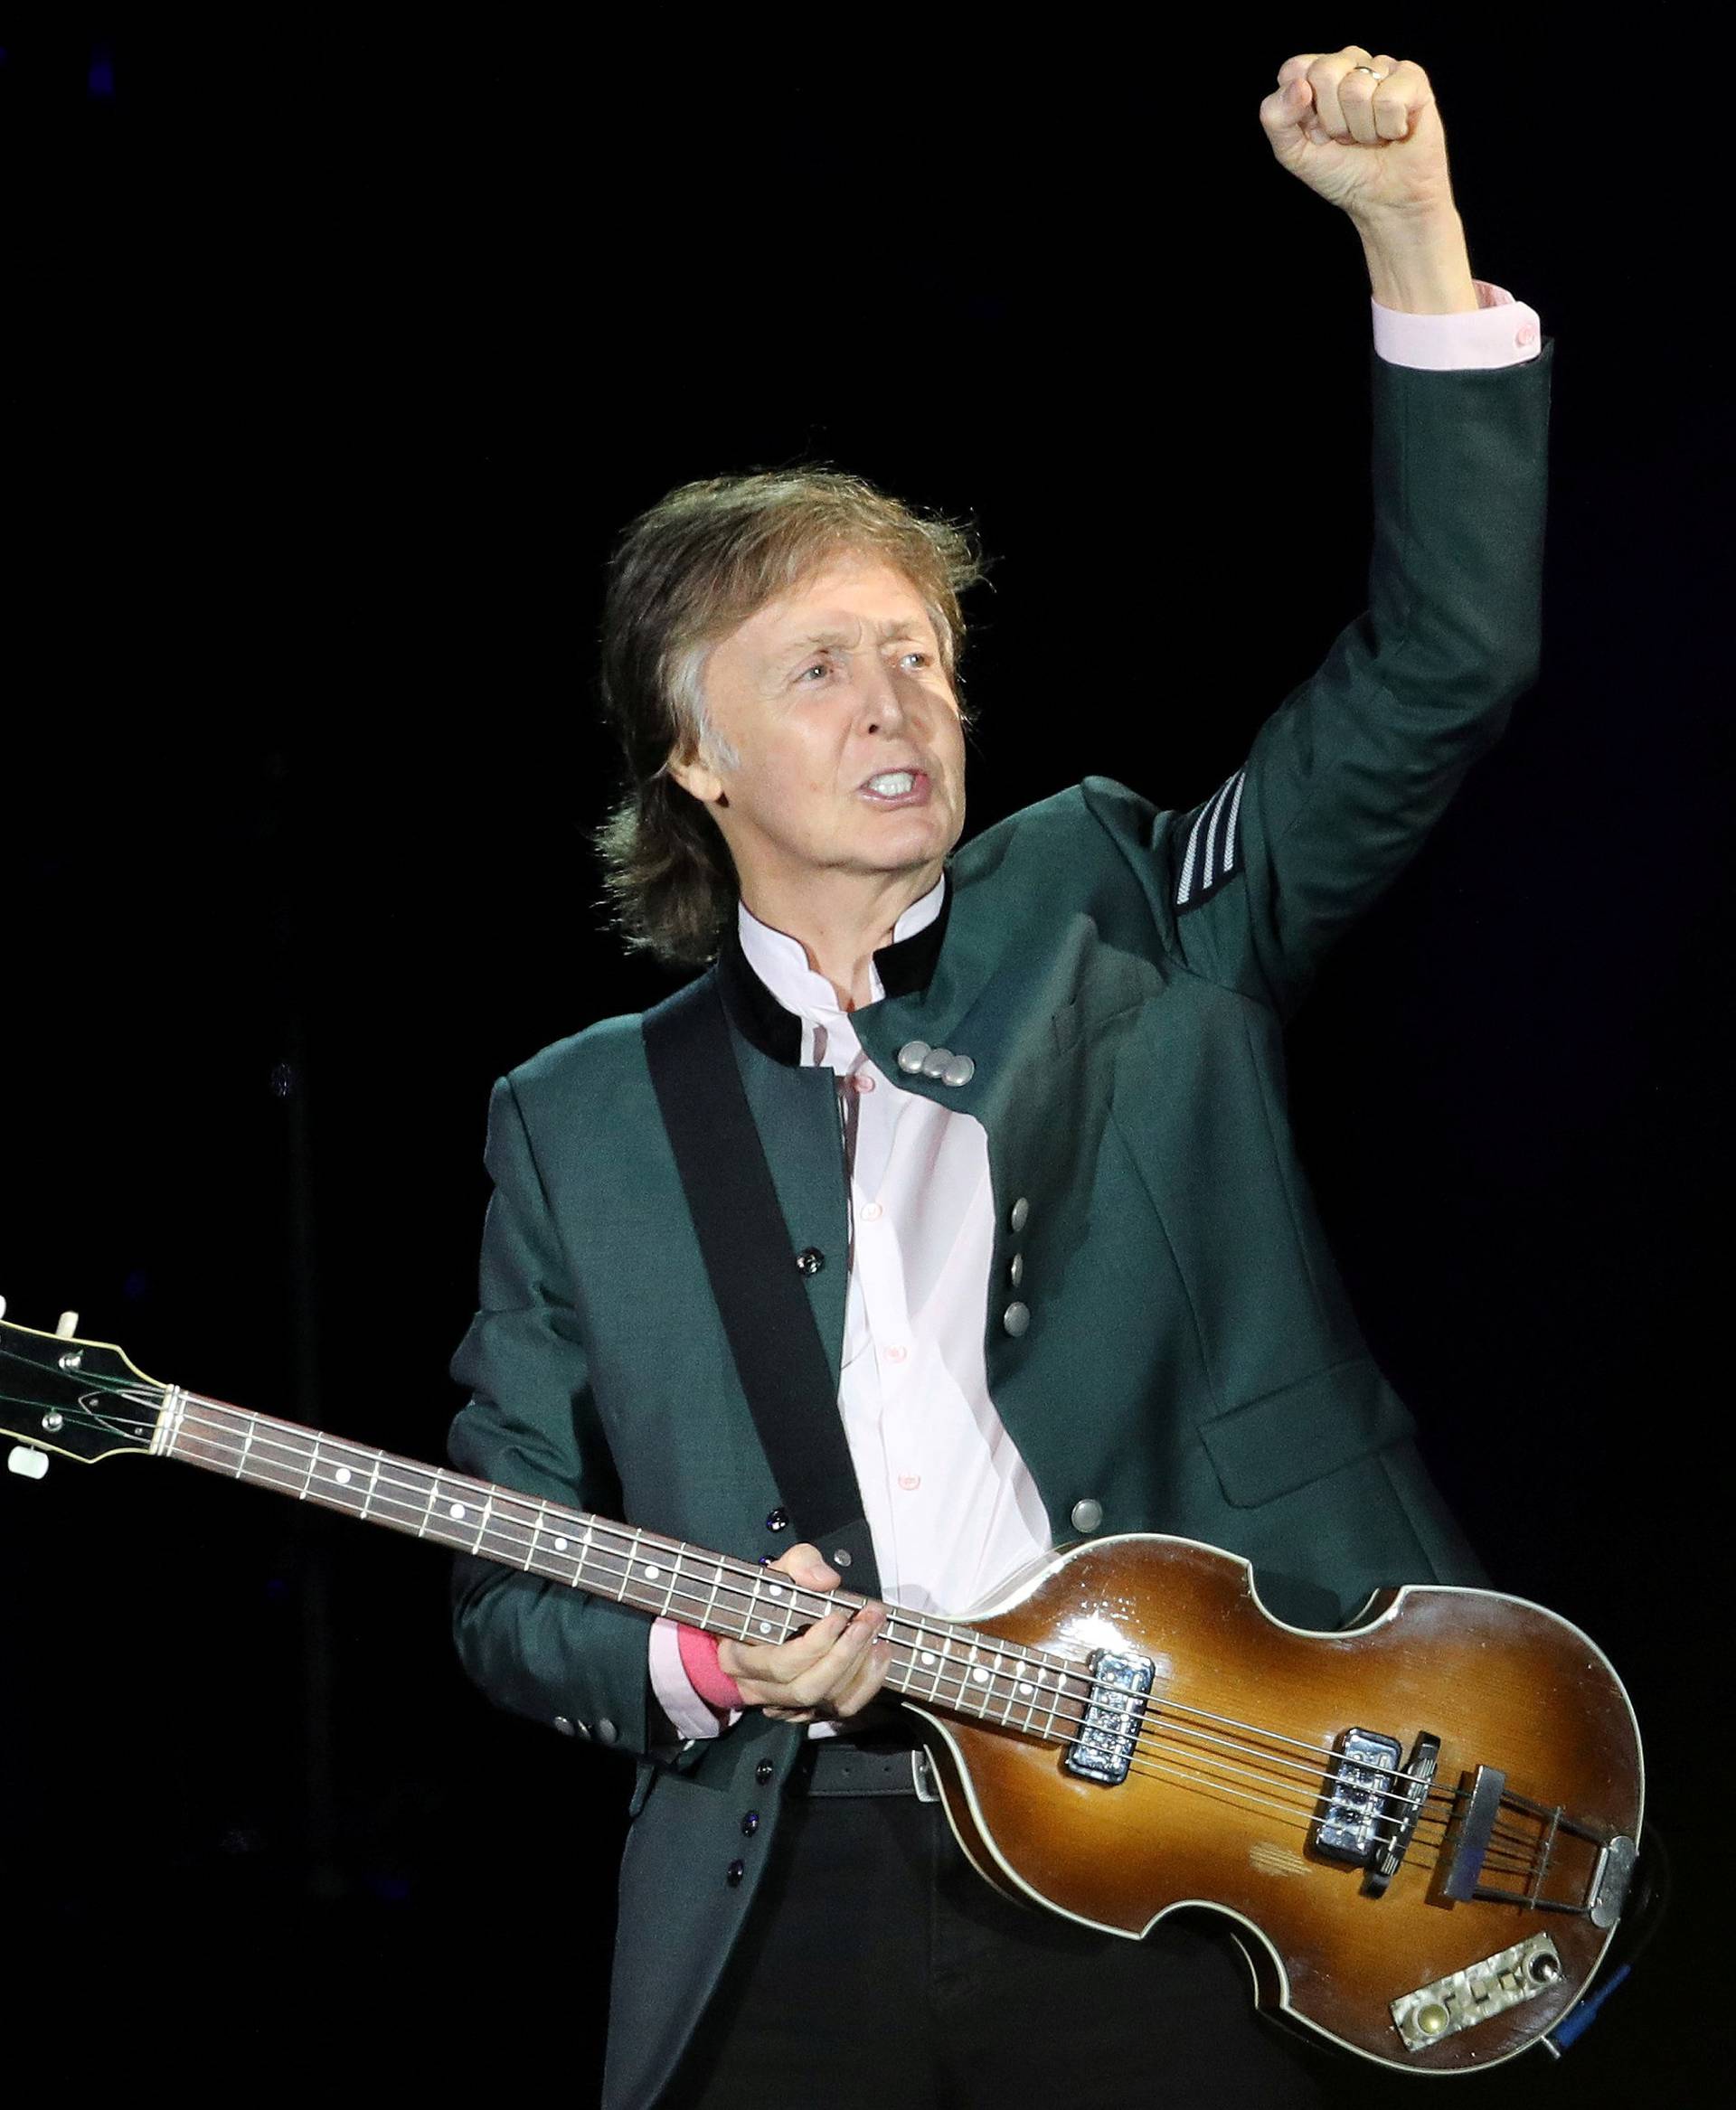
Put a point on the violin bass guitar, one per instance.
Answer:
(1423, 1828)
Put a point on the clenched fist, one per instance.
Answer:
(1371, 146)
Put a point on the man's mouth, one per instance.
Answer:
(897, 787)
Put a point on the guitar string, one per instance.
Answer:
(1162, 1709)
(532, 1528)
(803, 1600)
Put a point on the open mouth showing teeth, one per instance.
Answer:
(891, 784)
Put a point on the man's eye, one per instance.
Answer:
(818, 667)
(923, 656)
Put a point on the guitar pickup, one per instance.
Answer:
(1360, 1799)
(1103, 1748)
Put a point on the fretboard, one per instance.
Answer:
(939, 1663)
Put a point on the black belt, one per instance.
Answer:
(834, 1765)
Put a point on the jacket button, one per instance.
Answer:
(810, 1260)
(763, 1771)
(604, 1732)
(565, 1726)
(1016, 1270)
(1021, 1214)
(1015, 1318)
(911, 1056)
(935, 1062)
(841, 1558)
(960, 1070)
(1087, 1514)
(778, 1520)
(733, 1874)
(750, 1824)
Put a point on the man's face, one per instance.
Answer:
(852, 758)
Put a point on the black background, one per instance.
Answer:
(334, 365)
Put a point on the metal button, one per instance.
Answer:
(1087, 1514)
(1016, 1270)
(565, 1727)
(936, 1061)
(1021, 1214)
(1015, 1318)
(841, 1559)
(764, 1771)
(810, 1260)
(960, 1070)
(604, 1732)
(733, 1874)
(911, 1056)
(778, 1520)
(750, 1824)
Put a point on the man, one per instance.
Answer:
(1022, 1111)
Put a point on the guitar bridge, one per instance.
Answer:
(1103, 1747)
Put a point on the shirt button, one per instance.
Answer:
(910, 1480)
(872, 1213)
(863, 1081)
(1527, 334)
(897, 1354)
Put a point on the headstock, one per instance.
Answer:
(74, 1397)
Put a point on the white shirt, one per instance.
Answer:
(951, 1507)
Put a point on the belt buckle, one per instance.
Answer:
(922, 1776)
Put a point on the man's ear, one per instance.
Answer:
(693, 775)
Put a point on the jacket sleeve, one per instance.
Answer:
(537, 1647)
(1345, 780)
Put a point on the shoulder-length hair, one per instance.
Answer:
(683, 575)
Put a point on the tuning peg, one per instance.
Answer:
(68, 1326)
(27, 1463)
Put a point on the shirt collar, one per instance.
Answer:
(769, 994)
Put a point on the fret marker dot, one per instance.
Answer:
(777, 1589)
(341, 1476)
(1024, 1690)
(559, 1545)
(765, 1626)
(981, 1677)
(652, 1572)
(457, 1510)
(928, 1659)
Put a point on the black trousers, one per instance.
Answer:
(880, 1972)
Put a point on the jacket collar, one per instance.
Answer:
(905, 968)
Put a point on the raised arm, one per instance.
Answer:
(1345, 780)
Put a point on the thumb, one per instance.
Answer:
(806, 1564)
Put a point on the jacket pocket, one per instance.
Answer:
(1275, 1443)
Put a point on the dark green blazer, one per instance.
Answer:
(1120, 975)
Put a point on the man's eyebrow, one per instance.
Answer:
(840, 640)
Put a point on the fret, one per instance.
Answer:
(710, 1606)
(1049, 1726)
(428, 1505)
(482, 1523)
(313, 1464)
(373, 1483)
(241, 1463)
(674, 1577)
(538, 1523)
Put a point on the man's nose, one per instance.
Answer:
(882, 699)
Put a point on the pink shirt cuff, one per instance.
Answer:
(1503, 332)
(697, 1706)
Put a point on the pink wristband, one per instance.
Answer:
(713, 1685)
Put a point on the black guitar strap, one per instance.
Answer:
(750, 1257)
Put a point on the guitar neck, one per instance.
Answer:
(939, 1663)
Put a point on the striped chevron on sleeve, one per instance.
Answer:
(1212, 844)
